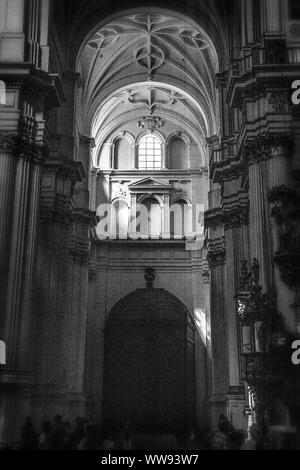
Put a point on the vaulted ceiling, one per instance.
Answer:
(148, 63)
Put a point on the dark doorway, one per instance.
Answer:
(149, 371)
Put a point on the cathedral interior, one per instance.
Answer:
(149, 204)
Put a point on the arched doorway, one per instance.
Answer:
(149, 369)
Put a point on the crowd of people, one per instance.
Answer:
(60, 435)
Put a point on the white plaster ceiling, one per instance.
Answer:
(148, 63)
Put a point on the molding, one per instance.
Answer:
(40, 82)
(213, 218)
(235, 217)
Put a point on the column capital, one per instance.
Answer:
(216, 253)
(22, 146)
(268, 146)
(7, 142)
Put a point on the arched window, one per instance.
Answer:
(150, 153)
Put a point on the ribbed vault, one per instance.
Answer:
(149, 63)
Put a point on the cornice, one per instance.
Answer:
(39, 82)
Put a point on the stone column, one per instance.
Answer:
(236, 390)
(219, 327)
(7, 178)
(279, 175)
(206, 279)
(259, 219)
(76, 314)
(96, 315)
(60, 294)
(17, 320)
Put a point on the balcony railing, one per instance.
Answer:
(266, 56)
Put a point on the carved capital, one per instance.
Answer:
(206, 275)
(216, 254)
(22, 146)
(269, 145)
(236, 217)
(7, 142)
(213, 218)
(58, 181)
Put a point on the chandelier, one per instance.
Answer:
(150, 123)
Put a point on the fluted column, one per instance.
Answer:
(16, 263)
(279, 166)
(219, 334)
(25, 349)
(17, 322)
(259, 219)
(236, 390)
(96, 317)
(279, 177)
(208, 345)
(7, 176)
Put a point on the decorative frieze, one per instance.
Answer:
(236, 217)
(233, 218)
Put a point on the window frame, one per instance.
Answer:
(152, 158)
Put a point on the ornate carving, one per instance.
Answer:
(121, 191)
(279, 101)
(206, 275)
(236, 217)
(263, 146)
(264, 360)
(245, 276)
(216, 256)
(103, 39)
(149, 277)
(22, 146)
(252, 303)
(150, 123)
(7, 142)
(286, 212)
(213, 218)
